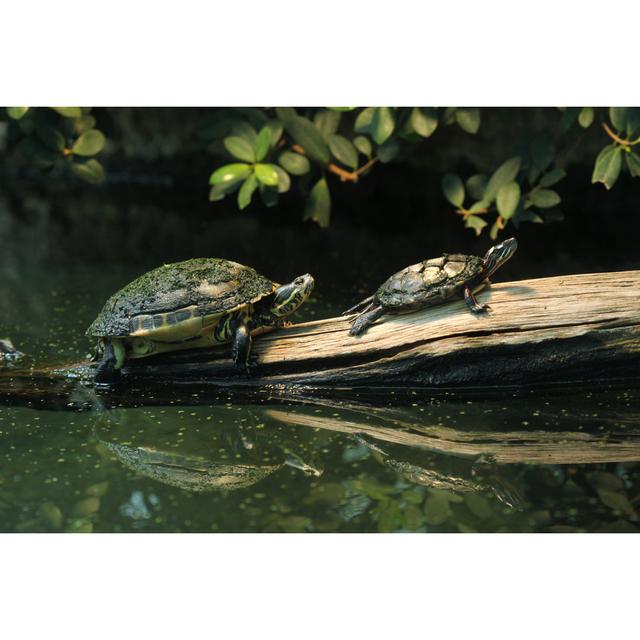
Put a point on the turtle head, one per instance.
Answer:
(288, 297)
(499, 254)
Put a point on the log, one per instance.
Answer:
(547, 330)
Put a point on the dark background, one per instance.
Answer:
(154, 208)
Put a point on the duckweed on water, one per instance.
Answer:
(203, 461)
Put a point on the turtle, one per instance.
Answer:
(432, 282)
(197, 303)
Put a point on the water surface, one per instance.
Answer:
(197, 459)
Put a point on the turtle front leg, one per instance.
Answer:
(113, 357)
(241, 347)
(473, 304)
(365, 320)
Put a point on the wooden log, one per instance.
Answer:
(547, 330)
(550, 329)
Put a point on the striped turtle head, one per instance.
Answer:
(498, 255)
(288, 297)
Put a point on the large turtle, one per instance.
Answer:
(431, 282)
(196, 303)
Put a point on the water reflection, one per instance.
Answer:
(552, 461)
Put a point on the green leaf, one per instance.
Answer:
(89, 143)
(342, 108)
(276, 128)
(327, 122)
(243, 129)
(246, 191)
(230, 173)
(318, 207)
(343, 150)
(586, 117)
(526, 215)
(481, 205)
(568, 118)
(543, 152)
(388, 150)
(91, 171)
(219, 191)
(607, 166)
(633, 121)
(507, 199)
(476, 185)
(505, 173)
(633, 164)
(618, 117)
(625, 119)
(449, 116)
(424, 121)
(84, 124)
(50, 137)
(468, 119)
(69, 112)
(363, 121)
(544, 198)
(363, 145)
(15, 113)
(267, 174)
(453, 189)
(383, 124)
(295, 163)
(552, 177)
(263, 144)
(305, 134)
(476, 223)
(284, 181)
(240, 148)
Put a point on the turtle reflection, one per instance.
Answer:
(481, 475)
(194, 458)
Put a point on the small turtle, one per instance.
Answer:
(431, 282)
(192, 304)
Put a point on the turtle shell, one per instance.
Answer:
(429, 282)
(183, 290)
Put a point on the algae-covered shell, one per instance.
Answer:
(202, 287)
(437, 278)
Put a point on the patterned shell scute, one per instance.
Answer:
(428, 281)
(213, 285)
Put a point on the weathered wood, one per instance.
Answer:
(505, 447)
(559, 329)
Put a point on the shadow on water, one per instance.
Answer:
(522, 461)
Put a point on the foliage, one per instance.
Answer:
(321, 145)
(519, 189)
(55, 138)
(279, 146)
(272, 151)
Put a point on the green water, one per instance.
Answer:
(194, 459)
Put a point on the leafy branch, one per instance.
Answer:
(345, 142)
(59, 137)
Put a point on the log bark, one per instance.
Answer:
(547, 330)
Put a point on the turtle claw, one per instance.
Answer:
(249, 367)
(481, 308)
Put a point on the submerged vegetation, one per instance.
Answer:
(272, 151)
